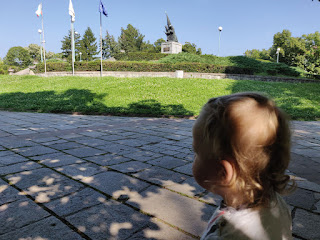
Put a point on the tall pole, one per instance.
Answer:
(39, 31)
(44, 49)
(72, 46)
(220, 29)
(101, 44)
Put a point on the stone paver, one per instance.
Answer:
(109, 220)
(101, 177)
(20, 213)
(48, 228)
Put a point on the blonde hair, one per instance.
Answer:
(249, 129)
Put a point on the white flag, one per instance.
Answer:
(39, 10)
(71, 12)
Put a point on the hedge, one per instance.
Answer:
(143, 67)
(139, 56)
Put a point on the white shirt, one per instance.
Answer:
(272, 223)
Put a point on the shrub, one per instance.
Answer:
(139, 56)
(53, 67)
(143, 67)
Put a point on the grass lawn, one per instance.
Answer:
(145, 96)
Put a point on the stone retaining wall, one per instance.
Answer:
(178, 74)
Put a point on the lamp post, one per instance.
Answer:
(75, 33)
(278, 51)
(80, 55)
(220, 29)
(40, 31)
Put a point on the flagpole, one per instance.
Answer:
(101, 44)
(72, 46)
(44, 49)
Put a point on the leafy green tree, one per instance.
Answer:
(157, 44)
(147, 47)
(312, 57)
(34, 51)
(66, 46)
(131, 40)
(199, 51)
(18, 56)
(291, 48)
(88, 45)
(189, 48)
(110, 47)
(258, 54)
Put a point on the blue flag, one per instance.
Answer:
(102, 9)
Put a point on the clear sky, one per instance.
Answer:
(247, 24)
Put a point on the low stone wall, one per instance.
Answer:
(181, 74)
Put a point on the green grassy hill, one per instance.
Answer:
(258, 67)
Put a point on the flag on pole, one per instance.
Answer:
(39, 10)
(102, 9)
(71, 12)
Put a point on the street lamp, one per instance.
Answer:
(80, 55)
(278, 51)
(220, 29)
(40, 31)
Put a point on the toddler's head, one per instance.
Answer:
(242, 148)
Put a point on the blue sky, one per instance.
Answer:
(246, 24)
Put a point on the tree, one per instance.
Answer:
(257, 54)
(191, 48)
(131, 40)
(110, 47)
(157, 44)
(312, 56)
(291, 48)
(147, 47)
(34, 51)
(66, 46)
(18, 56)
(88, 45)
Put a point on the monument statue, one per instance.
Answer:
(171, 34)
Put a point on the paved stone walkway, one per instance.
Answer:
(97, 177)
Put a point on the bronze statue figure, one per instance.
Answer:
(171, 34)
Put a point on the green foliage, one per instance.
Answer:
(88, 45)
(157, 45)
(3, 68)
(18, 56)
(66, 46)
(147, 47)
(257, 54)
(253, 65)
(53, 67)
(110, 47)
(34, 51)
(139, 56)
(184, 57)
(130, 40)
(191, 48)
(144, 67)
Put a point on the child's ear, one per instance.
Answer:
(228, 171)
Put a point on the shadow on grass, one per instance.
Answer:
(299, 100)
(84, 101)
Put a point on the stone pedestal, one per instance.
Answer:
(171, 47)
